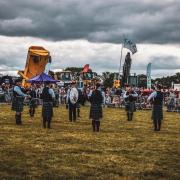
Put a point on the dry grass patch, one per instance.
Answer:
(122, 149)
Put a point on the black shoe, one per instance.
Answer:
(18, 120)
(155, 129)
(32, 115)
(97, 126)
(94, 126)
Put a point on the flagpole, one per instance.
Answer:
(120, 62)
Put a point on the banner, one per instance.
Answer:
(130, 45)
(47, 68)
(148, 76)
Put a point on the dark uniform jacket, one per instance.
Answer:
(96, 100)
(17, 102)
(47, 109)
(157, 112)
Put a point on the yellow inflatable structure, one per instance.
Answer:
(36, 61)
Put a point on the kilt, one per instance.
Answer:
(95, 112)
(130, 107)
(33, 103)
(47, 110)
(78, 105)
(17, 104)
(157, 112)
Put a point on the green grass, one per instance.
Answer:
(129, 150)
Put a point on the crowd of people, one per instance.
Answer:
(112, 97)
(51, 95)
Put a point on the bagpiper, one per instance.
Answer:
(96, 100)
(71, 99)
(18, 100)
(48, 97)
(157, 111)
(130, 97)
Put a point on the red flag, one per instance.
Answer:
(86, 68)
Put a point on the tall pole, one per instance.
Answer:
(148, 76)
(120, 62)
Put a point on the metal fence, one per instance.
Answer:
(172, 105)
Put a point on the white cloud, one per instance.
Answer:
(146, 21)
(100, 56)
(11, 25)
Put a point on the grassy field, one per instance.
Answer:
(122, 150)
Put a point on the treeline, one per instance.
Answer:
(142, 80)
(167, 81)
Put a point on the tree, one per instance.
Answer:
(74, 69)
(167, 81)
(108, 79)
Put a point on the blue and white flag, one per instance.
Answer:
(130, 45)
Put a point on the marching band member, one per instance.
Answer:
(47, 110)
(72, 98)
(130, 98)
(157, 111)
(96, 114)
(17, 102)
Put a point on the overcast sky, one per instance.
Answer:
(77, 32)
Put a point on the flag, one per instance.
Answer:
(48, 66)
(130, 45)
(86, 68)
(148, 75)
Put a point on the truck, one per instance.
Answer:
(65, 77)
(87, 76)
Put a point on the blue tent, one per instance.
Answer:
(42, 78)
